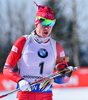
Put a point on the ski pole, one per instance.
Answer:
(51, 76)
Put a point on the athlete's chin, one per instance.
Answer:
(45, 36)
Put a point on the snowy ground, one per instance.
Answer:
(59, 94)
(71, 94)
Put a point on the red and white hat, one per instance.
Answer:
(45, 12)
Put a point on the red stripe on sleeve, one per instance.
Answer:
(15, 52)
(59, 49)
(60, 52)
(12, 59)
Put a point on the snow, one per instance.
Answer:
(71, 94)
(59, 94)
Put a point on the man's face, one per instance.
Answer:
(43, 31)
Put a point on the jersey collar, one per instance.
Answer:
(39, 39)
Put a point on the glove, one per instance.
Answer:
(61, 65)
(24, 85)
(68, 74)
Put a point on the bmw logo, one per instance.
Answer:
(42, 53)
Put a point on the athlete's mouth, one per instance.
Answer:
(45, 32)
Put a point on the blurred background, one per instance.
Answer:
(17, 18)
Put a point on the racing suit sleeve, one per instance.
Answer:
(60, 53)
(12, 59)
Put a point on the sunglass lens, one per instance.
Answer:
(52, 23)
(46, 22)
(41, 19)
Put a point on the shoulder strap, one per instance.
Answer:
(27, 41)
(54, 48)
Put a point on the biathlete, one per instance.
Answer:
(36, 56)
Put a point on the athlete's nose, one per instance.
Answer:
(46, 27)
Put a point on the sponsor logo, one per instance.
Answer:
(29, 76)
(47, 14)
(62, 54)
(35, 87)
(15, 49)
(42, 53)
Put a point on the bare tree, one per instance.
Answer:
(14, 22)
(65, 30)
(75, 36)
